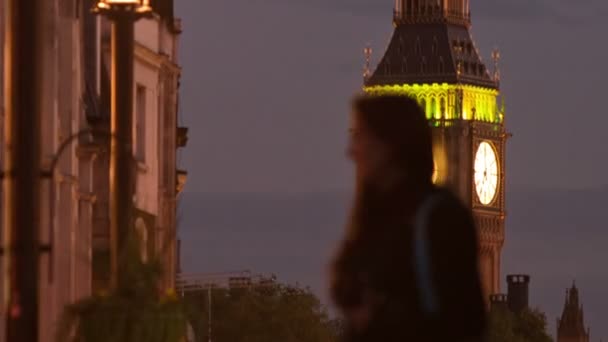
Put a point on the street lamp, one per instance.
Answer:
(123, 14)
(131, 6)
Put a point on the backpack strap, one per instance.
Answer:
(423, 273)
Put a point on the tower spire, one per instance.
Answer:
(367, 72)
(496, 59)
(571, 326)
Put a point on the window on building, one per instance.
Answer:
(140, 123)
(142, 234)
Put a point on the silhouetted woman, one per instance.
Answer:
(407, 269)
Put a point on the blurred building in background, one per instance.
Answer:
(571, 326)
(76, 97)
(518, 296)
(233, 280)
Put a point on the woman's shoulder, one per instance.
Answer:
(445, 197)
(445, 206)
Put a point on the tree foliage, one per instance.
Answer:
(136, 310)
(528, 326)
(274, 312)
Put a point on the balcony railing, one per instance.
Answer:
(239, 280)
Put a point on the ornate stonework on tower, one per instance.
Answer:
(432, 57)
(571, 326)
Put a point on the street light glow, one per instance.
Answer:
(136, 6)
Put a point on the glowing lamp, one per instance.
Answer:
(132, 6)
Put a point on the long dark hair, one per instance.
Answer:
(399, 123)
(378, 214)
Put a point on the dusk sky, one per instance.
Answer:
(265, 92)
(266, 86)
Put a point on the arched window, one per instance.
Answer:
(442, 108)
(142, 234)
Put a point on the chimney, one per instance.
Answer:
(518, 292)
(499, 302)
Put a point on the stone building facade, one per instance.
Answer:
(75, 210)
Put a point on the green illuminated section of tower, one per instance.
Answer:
(449, 101)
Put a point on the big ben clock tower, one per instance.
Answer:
(432, 58)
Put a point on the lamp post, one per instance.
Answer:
(22, 50)
(123, 14)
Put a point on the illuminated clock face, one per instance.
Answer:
(486, 173)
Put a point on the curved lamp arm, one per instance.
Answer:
(49, 174)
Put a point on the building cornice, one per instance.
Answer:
(151, 58)
(155, 59)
